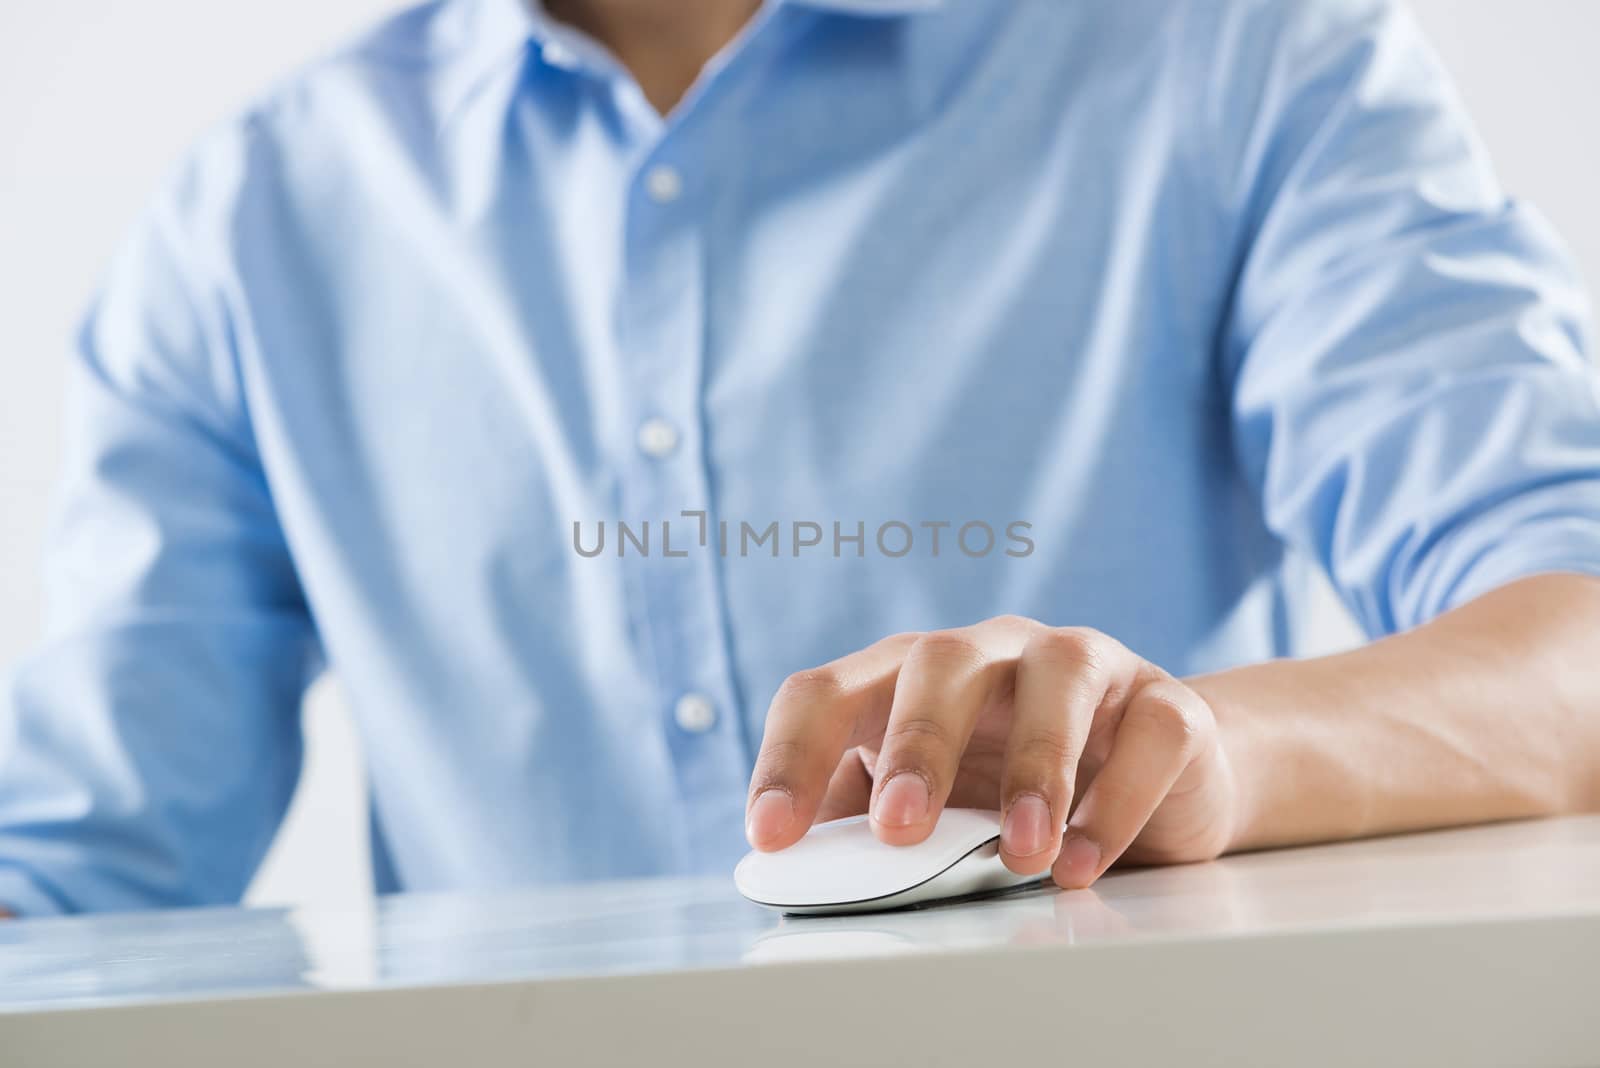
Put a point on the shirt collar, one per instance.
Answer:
(871, 7)
(518, 20)
(502, 29)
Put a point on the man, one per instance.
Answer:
(1005, 359)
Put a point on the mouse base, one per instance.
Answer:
(979, 874)
(893, 903)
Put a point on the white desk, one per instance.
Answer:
(1466, 947)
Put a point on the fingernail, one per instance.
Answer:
(903, 801)
(1027, 828)
(770, 814)
(1079, 859)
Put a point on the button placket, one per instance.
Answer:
(662, 335)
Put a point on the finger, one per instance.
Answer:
(811, 721)
(1162, 730)
(849, 790)
(943, 686)
(1063, 677)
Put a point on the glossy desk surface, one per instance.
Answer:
(1517, 885)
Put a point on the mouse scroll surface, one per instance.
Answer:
(841, 867)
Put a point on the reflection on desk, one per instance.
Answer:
(1517, 869)
(1474, 881)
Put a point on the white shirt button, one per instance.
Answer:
(559, 55)
(657, 438)
(664, 184)
(695, 713)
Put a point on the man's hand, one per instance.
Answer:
(1059, 728)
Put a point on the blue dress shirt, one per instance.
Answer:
(562, 432)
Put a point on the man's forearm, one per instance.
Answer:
(1489, 712)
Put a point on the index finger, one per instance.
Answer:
(814, 718)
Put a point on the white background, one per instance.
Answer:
(98, 98)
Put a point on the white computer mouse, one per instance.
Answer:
(841, 867)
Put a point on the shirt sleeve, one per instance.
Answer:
(1407, 350)
(149, 747)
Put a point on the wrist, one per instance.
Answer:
(1237, 743)
(1292, 775)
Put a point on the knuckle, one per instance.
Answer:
(918, 734)
(1074, 647)
(948, 646)
(903, 640)
(1045, 754)
(813, 686)
(778, 762)
(920, 744)
(1114, 796)
(1167, 709)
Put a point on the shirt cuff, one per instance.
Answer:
(24, 898)
(1572, 547)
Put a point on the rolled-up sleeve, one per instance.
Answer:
(149, 747)
(1408, 350)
